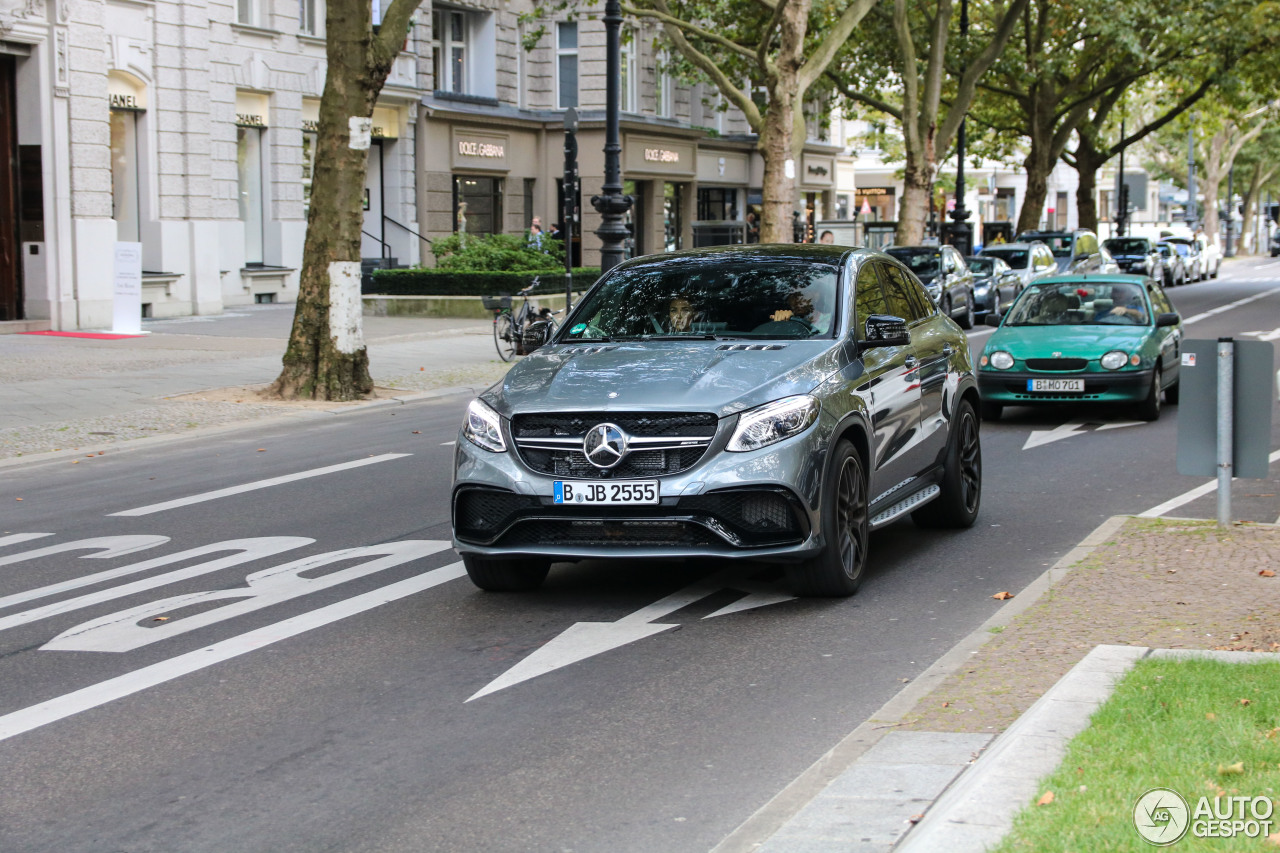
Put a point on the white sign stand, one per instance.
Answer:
(127, 315)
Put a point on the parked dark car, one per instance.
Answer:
(1175, 270)
(995, 284)
(815, 394)
(1076, 251)
(1275, 243)
(1136, 256)
(945, 275)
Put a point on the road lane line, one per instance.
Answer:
(86, 699)
(1188, 497)
(21, 537)
(110, 546)
(260, 484)
(1213, 312)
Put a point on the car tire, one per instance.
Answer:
(994, 310)
(992, 411)
(1217, 268)
(961, 484)
(966, 319)
(837, 570)
(1149, 409)
(1171, 393)
(945, 305)
(499, 575)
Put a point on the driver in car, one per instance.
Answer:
(680, 315)
(811, 305)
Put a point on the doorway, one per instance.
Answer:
(10, 240)
(673, 216)
(372, 239)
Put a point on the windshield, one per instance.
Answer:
(1016, 258)
(1127, 246)
(701, 298)
(1166, 250)
(1072, 304)
(922, 262)
(983, 266)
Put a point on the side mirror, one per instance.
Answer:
(992, 320)
(885, 330)
(1167, 319)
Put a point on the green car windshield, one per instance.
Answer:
(1080, 304)
(709, 299)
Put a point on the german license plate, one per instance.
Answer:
(627, 492)
(1056, 386)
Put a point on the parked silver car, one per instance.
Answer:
(771, 403)
(1032, 260)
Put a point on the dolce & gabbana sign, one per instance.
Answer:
(480, 149)
(667, 157)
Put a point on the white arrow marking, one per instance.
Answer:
(1273, 335)
(1040, 437)
(21, 537)
(111, 546)
(588, 639)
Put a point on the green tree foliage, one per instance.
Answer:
(497, 253)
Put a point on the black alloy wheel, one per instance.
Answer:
(961, 497)
(837, 570)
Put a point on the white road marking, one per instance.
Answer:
(1041, 437)
(588, 639)
(249, 550)
(99, 694)
(1119, 425)
(1273, 335)
(21, 537)
(260, 484)
(111, 546)
(1189, 496)
(1227, 307)
(447, 443)
(121, 632)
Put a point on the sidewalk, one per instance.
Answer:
(59, 393)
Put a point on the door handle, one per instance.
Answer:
(910, 361)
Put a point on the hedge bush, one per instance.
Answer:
(496, 253)
(437, 282)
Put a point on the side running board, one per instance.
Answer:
(904, 506)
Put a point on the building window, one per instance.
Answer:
(247, 12)
(252, 200)
(124, 175)
(567, 64)
(311, 17)
(664, 93)
(627, 87)
(1060, 215)
(477, 204)
(460, 41)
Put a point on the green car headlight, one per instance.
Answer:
(1114, 360)
(1001, 360)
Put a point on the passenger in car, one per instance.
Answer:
(812, 305)
(680, 314)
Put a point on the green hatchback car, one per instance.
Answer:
(1094, 338)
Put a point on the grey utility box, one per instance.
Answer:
(1198, 408)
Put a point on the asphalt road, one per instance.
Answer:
(375, 701)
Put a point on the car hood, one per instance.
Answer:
(664, 376)
(1070, 341)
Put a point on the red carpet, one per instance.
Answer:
(97, 336)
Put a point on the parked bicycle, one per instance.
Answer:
(521, 332)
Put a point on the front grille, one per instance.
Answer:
(1057, 364)
(482, 513)
(588, 532)
(532, 432)
(754, 516)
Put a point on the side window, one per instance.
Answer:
(868, 299)
(1087, 244)
(906, 297)
(1160, 300)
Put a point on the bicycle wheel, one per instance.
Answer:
(504, 336)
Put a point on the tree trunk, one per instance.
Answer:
(1038, 165)
(1088, 161)
(779, 191)
(913, 212)
(326, 358)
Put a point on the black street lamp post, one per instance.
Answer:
(1230, 249)
(613, 205)
(961, 232)
(570, 211)
(1122, 195)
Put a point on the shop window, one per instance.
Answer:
(842, 206)
(717, 203)
(567, 64)
(627, 85)
(252, 199)
(477, 204)
(124, 175)
(311, 17)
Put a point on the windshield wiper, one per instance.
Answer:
(588, 340)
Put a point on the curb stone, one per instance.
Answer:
(810, 787)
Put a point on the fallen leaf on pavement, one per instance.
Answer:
(1267, 573)
(1231, 769)
(915, 818)
(161, 619)
(17, 499)
(417, 432)
(262, 450)
(1046, 799)
(944, 704)
(1002, 596)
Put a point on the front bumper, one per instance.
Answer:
(760, 504)
(1009, 387)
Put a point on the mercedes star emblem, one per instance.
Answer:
(605, 445)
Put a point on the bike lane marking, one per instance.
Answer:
(259, 484)
(95, 695)
(1189, 496)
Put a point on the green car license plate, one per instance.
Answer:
(1056, 386)
(627, 492)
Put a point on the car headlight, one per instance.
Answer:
(1115, 360)
(1001, 360)
(773, 422)
(483, 427)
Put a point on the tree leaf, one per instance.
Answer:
(1045, 799)
(1002, 596)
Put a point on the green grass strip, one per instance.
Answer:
(1202, 728)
